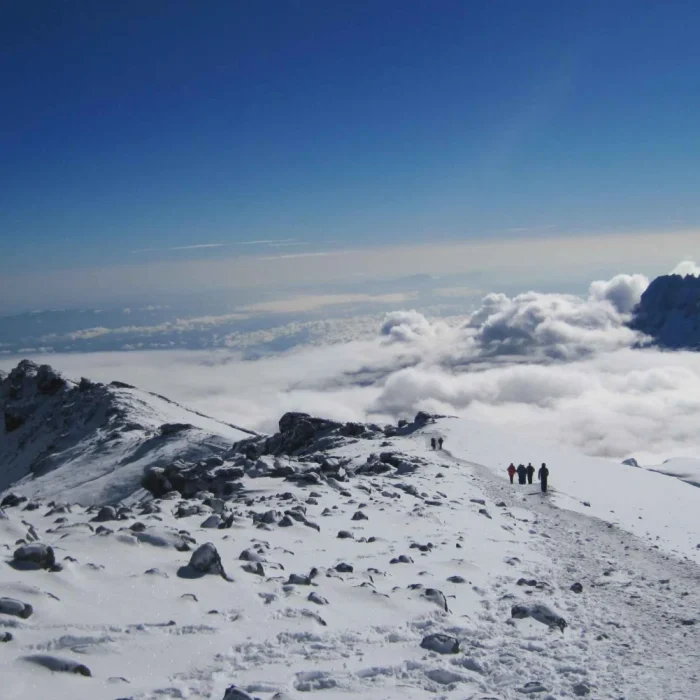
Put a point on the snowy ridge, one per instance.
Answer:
(356, 562)
(669, 312)
(91, 442)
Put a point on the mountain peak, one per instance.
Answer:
(669, 312)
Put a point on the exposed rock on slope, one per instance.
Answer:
(669, 312)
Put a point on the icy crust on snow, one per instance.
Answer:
(91, 442)
(669, 312)
(450, 584)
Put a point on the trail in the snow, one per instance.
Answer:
(637, 618)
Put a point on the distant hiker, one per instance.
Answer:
(432, 442)
(542, 475)
(530, 472)
(511, 472)
(522, 473)
(440, 441)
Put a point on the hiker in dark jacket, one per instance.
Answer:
(511, 472)
(432, 442)
(440, 441)
(530, 472)
(522, 473)
(542, 475)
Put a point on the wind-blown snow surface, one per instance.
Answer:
(146, 628)
(89, 443)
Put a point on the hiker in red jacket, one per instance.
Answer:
(511, 472)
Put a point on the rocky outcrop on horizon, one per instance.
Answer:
(669, 312)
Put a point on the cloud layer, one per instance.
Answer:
(558, 365)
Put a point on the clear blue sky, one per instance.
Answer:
(130, 125)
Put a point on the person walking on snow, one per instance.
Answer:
(542, 475)
(522, 474)
(432, 443)
(511, 472)
(440, 441)
(530, 472)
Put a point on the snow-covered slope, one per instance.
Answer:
(90, 443)
(684, 468)
(669, 312)
(342, 562)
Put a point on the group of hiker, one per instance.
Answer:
(525, 474)
(436, 443)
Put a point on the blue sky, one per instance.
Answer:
(143, 127)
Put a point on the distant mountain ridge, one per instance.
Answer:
(94, 440)
(669, 312)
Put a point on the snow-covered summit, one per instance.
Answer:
(669, 312)
(92, 441)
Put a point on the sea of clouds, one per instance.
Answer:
(564, 367)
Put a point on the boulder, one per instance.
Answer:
(10, 606)
(35, 556)
(441, 643)
(206, 560)
(105, 514)
(12, 500)
(213, 521)
(233, 693)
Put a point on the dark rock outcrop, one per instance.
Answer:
(669, 312)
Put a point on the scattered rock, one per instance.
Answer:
(205, 560)
(6, 637)
(10, 606)
(441, 643)
(359, 516)
(539, 612)
(437, 597)
(456, 579)
(577, 587)
(344, 568)
(483, 511)
(532, 687)
(57, 664)
(286, 521)
(12, 500)
(316, 598)
(403, 559)
(35, 556)
(213, 521)
(233, 693)
(345, 535)
(254, 568)
(105, 514)
(581, 689)
(526, 582)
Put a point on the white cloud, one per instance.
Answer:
(304, 303)
(557, 365)
(180, 247)
(687, 267)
